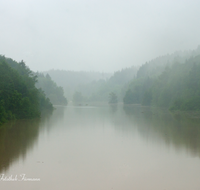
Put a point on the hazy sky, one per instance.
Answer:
(96, 35)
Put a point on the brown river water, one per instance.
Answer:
(101, 148)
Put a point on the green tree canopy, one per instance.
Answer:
(19, 98)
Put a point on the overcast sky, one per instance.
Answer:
(96, 35)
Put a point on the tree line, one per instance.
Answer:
(171, 81)
(19, 98)
(51, 90)
(176, 87)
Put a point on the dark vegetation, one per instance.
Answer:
(16, 138)
(19, 98)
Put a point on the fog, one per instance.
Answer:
(104, 93)
(93, 35)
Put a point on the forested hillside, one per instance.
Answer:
(19, 98)
(100, 90)
(91, 86)
(52, 91)
(71, 80)
(170, 84)
(156, 66)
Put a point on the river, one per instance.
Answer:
(101, 148)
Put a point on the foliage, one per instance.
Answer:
(177, 87)
(138, 91)
(51, 90)
(18, 96)
(156, 66)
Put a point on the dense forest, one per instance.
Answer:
(171, 82)
(19, 98)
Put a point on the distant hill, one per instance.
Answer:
(71, 80)
(156, 66)
(170, 81)
(93, 86)
(115, 84)
(74, 78)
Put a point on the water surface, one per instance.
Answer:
(102, 148)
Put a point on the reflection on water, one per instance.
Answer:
(113, 108)
(178, 131)
(107, 147)
(18, 137)
(15, 139)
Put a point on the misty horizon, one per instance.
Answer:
(178, 52)
(106, 94)
(102, 36)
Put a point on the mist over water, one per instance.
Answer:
(103, 147)
(115, 90)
